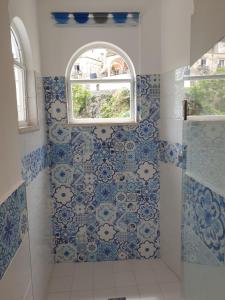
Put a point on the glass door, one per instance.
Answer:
(203, 214)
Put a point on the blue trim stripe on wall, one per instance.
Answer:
(33, 163)
(105, 180)
(13, 226)
(96, 18)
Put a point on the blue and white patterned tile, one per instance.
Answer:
(204, 215)
(105, 180)
(173, 153)
(33, 163)
(13, 226)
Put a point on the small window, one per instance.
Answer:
(20, 78)
(101, 86)
(203, 62)
(221, 63)
(205, 85)
(25, 78)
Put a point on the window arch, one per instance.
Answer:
(20, 76)
(25, 78)
(101, 86)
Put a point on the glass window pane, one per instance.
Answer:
(16, 49)
(206, 97)
(101, 100)
(100, 63)
(20, 93)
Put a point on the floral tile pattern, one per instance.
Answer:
(104, 180)
(173, 153)
(203, 224)
(33, 163)
(13, 226)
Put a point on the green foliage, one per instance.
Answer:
(207, 97)
(81, 97)
(100, 104)
(117, 105)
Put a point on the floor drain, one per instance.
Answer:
(120, 298)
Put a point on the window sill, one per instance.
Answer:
(110, 122)
(28, 128)
(206, 118)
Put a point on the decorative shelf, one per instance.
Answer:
(96, 18)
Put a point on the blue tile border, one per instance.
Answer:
(13, 226)
(173, 153)
(33, 163)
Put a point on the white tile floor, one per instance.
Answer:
(135, 280)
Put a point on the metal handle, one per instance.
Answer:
(185, 109)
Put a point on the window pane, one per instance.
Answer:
(100, 63)
(206, 97)
(20, 93)
(101, 100)
(16, 50)
(211, 63)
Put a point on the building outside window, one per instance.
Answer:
(101, 86)
(205, 83)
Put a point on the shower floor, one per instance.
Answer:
(133, 280)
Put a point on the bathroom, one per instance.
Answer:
(120, 197)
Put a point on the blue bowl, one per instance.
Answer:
(120, 17)
(81, 18)
(136, 16)
(100, 18)
(61, 18)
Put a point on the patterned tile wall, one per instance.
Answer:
(33, 163)
(13, 226)
(203, 224)
(173, 153)
(105, 180)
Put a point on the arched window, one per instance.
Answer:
(101, 86)
(25, 77)
(20, 76)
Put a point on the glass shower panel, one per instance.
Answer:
(203, 226)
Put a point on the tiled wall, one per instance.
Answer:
(203, 224)
(13, 211)
(33, 163)
(203, 213)
(203, 193)
(13, 226)
(104, 180)
(173, 153)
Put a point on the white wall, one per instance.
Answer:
(175, 33)
(9, 170)
(141, 44)
(39, 259)
(207, 26)
(175, 38)
(17, 280)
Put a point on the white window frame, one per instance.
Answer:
(131, 81)
(22, 66)
(202, 118)
(30, 78)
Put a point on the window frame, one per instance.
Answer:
(132, 81)
(32, 88)
(22, 66)
(202, 118)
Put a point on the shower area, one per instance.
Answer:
(106, 211)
